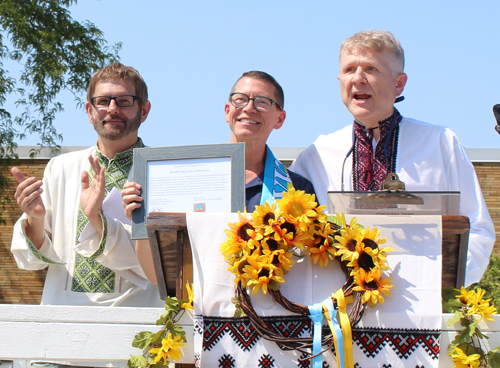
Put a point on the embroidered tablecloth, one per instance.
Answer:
(404, 332)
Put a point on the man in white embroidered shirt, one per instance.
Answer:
(73, 220)
(380, 141)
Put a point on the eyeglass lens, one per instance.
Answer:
(104, 101)
(262, 104)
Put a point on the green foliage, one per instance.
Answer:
(136, 361)
(466, 305)
(142, 339)
(490, 283)
(54, 53)
(146, 340)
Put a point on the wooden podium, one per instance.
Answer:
(171, 250)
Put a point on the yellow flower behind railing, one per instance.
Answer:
(169, 349)
(462, 360)
(189, 304)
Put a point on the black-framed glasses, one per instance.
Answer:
(122, 101)
(262, 104)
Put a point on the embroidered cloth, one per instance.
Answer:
(404, 332)
(89, 275)
(370, 167)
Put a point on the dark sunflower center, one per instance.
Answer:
(241, 267)
(264, 273)
(242, 231)
(370, 243)
(269, 216)
(290, 228)
(321, 241)
(276, 260)
(372, 285)
(365, 261)
(272, 244)
(351, 245)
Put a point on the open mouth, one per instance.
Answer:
(361, 96)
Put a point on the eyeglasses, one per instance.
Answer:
(122, 101)
(262, 104)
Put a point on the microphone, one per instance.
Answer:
(496, 112)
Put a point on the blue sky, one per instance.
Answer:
(191, 52)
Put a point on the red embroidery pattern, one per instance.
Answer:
(403, 342)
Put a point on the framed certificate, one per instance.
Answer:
(201, 178)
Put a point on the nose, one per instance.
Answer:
(250, 106)
(359, 76)
(112, 107)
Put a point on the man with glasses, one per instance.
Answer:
(254, 110)
(380, 141)
(72, 222)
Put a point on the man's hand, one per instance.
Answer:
(29, 201)
(131, 196)
(92, 196)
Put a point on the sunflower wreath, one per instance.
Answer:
(261, 250)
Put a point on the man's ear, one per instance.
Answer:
(281, 119)
(401, 82)
(145, 111)
(88, 109)
(226, 111)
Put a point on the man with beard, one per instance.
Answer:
(73, 220)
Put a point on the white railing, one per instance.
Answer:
(103, 334)
(62, 333)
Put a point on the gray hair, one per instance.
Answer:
(377, 41)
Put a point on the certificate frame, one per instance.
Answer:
(235, 151)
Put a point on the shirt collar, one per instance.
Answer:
(123, 157)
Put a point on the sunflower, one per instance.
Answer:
(347, 242)
(321, 248)
(462, 360)
(262, 275)
(279, 258)
(291, 234)
(373, 286)
(189, 304)
(298, 206)
(237, 268)
(371, 238)
(242, 237)
(266, 215)
(484, 309)
(367, 258)
(478, 305)
(467, 297)
(169, 349)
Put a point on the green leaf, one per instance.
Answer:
(493, 359)
(455, 319)
(164, 318)
(461, 337)
(176, 330)
(160, 364)
(158, 337)
(172, 304)
(472, 328)
(333, 219)
(151, 359)
(142, 340)
(136, 361)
